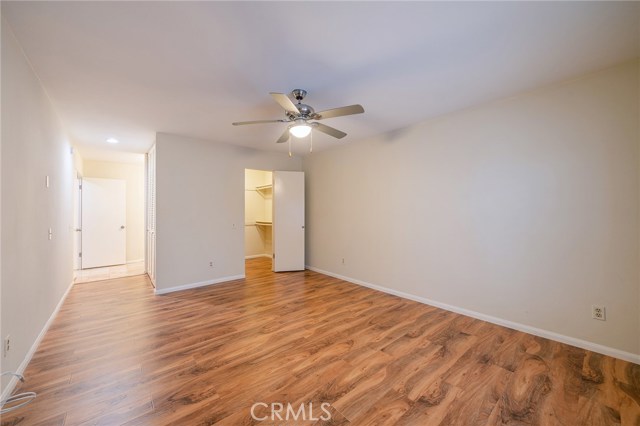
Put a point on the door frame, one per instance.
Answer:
(77, 222)
(150, 215)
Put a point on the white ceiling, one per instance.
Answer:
(131, 69)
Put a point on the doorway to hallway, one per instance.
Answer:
(110, 208)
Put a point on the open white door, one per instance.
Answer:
(288, 221)
(104, 238)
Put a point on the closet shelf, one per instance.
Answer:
(263, 223)
(264, 189)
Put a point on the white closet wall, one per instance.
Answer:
(257, 213)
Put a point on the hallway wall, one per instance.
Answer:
(36, 270)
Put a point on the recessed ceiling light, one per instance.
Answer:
(112, 140)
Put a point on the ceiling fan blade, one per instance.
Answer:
(329, 130)
(339, 112)
(284, 137)
(285, 102)
(242, 123)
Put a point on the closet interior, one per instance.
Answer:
(258, 219)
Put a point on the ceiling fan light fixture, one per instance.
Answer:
(298, 117)
(301, 130)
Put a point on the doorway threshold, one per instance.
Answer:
(109, 272)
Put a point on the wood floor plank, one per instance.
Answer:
(119, 355)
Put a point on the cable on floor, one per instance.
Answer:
(19, 400)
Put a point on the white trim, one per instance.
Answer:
(153, 282)
(255, 256)
(134, 261)
(199, 284)
(23, 365)
(594, 347)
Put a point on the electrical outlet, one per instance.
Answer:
(343, 260)
(6, 347)
(598, 312)
(211, 264)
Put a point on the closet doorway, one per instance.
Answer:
(258, 214)
(274, 218)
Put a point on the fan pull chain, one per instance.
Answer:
(311, 144)
(290, 146)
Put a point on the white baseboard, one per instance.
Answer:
(135, 261)
(23, 365)
(255, 256)
(590, 346)
(199, 284)
(153, 281)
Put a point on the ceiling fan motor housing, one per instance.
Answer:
(305, 110)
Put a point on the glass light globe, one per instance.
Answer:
(300, 130)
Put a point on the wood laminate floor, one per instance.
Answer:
(117, 354)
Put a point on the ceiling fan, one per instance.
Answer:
(300, 116)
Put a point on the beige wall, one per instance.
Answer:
(36, 271)
(525, 210)
(134, 175)
(200, 208)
